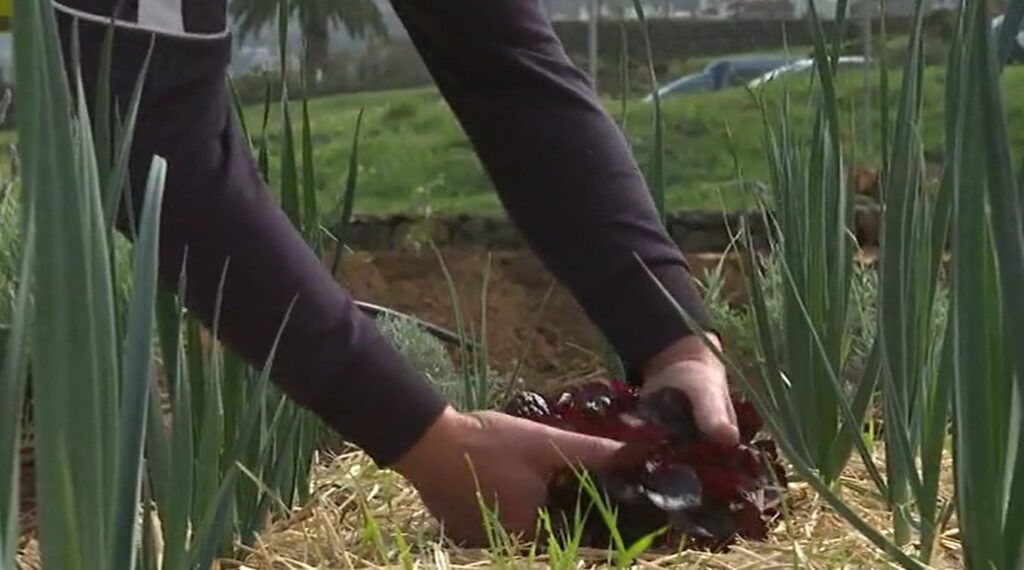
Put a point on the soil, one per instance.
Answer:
(564, 344)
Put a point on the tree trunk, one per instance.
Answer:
(317, 38)
(594, 22)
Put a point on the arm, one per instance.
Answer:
(561, 166)
(218, 214)
(567, 178)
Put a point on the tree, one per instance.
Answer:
(360, 18)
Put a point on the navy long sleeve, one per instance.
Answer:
(561, 167)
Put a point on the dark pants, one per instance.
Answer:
(560, 164)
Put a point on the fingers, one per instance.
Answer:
(547, 447)
(706, 388)
(565, 447)
(715, 415)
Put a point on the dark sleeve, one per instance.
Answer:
(218, 215)
(560, 164)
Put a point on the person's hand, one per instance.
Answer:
(513, 460)
(689, 365)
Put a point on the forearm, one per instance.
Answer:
(560, 164)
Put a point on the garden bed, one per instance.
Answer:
(561, 346)
(564, 345)
(331, 532)
(694, 232)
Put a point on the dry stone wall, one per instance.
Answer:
(694, 232)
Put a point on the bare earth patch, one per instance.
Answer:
(564, 346)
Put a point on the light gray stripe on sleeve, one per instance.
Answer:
(163, 15)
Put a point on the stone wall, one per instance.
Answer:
(694, 232)
(675, 39)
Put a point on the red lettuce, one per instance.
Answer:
(668, 476)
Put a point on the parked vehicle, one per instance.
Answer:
(722, 74)
(804, 65)
(1017, 53)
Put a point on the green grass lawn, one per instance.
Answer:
(414, 155)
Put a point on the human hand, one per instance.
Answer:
(689, 365)
(512, 459)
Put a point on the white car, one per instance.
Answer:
(855, 61)
(1016, 54)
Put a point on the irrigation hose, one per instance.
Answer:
(438, 332)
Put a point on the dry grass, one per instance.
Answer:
(361, 517)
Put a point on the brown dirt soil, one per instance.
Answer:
(564, 345)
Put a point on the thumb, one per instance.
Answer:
(714, 415)
(566, 448)
(706, 388)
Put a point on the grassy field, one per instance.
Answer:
(414, 155)
(415, 158)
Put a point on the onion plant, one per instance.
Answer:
(657, 173)
(987, 318)
(229, 452)
(203, 471)
(12, 397)
(924, 360)
(479, 387)
(298, 432)
(89, 386)
(806, 355)
(915, 386)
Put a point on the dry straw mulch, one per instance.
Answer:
(331, 532)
